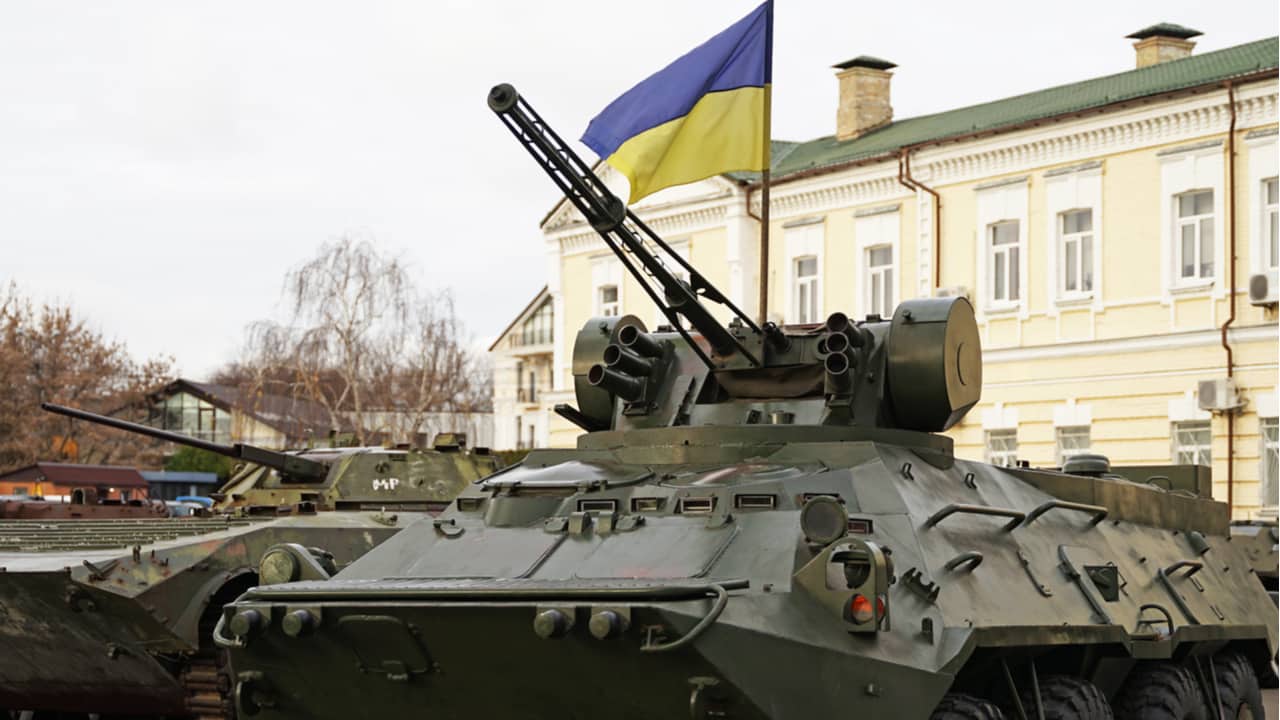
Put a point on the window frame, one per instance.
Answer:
(885, 274)
(999, 457)
(1079, 238)
(1012, 262)
(1270, 224)
(1268, 471)
(1060, 453)
(608, 308)
(1200, 449)
(1197, 223)
(812, 283)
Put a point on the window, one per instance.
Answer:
(1076, 236)
(805, 271)
(1006, 285)
(531, 444)
(879, 280)
(533, 386)
(1194, 235)
(1270, 221)
(607, 300)
(21, 490)
(537, 329)
(1192, 442)
(1269, 472)
(1072, 441)
(1002, 447)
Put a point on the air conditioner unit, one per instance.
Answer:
(953, 291)
(1218, 395)
(1264, 288)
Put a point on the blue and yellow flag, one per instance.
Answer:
(704, 114)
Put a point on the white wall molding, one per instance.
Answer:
(1144, 343)
(1072, 141)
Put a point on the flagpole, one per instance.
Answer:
(764, 208)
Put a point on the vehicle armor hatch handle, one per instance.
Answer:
(968, 560)
(1016, 516)
(722, 600)
(1099, 512)
(1167, 619)
(1165, 576)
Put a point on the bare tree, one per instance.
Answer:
(48, 354)
(362, 342)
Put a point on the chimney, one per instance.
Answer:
(864, 96)
(1163, 42)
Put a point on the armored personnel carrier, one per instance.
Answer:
(1258, 538)
(114, 616)
(763, 522)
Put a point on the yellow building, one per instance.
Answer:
(1092, 226)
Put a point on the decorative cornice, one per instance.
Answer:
(1082, 167)
(1206, 145)
(1003, 182)
(585, 239)
(879, 210)
(1027, 151)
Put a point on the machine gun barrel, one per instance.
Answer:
(610, 217)
(292, 465)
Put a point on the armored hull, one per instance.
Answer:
(91, 626)
(660, 524)
(1258, 539)
(114, 616)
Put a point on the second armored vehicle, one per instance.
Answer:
(114, 616)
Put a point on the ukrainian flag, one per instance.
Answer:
(704, 114)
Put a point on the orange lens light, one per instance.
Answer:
(860, 609)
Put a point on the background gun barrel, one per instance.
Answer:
(140, 429)
(299, 467)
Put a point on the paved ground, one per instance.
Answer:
(1270, 699)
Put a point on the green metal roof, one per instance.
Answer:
(791, 158)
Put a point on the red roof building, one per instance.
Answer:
(59, 479)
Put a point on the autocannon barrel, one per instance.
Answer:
(293, 465)
(638, 342)
(624, 386)
(618, 358)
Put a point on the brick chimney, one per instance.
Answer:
(864, 96)
(1163, 42)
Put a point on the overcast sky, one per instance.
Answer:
(163, 164)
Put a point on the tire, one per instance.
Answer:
(1066, 697)
(1238, 690)
(956, 706)
(1160, 691)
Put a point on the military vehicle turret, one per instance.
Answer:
(114, 616)
(764, 522)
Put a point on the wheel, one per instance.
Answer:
(1066, 697)
(957, 706)
(1238, 691)
(1160, 691)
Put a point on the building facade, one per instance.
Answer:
(523, 362)
(57, 481)
(1117, 237)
